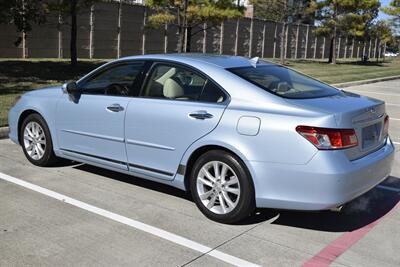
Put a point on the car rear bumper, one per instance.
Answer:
(328, 180)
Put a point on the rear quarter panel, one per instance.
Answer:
(276, 141)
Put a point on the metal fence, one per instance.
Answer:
(110, 30)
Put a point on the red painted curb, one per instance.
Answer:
(337, 247)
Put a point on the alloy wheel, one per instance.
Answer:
(34, 140)
(218, 187)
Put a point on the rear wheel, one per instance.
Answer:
(221, 187)
(36, 141)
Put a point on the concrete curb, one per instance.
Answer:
(348, 84)
(4, 132)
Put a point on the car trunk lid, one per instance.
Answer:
(363, 114)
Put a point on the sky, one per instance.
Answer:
(381, 14)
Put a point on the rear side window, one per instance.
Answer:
(173, 82)
(284, 82)
(180, 83)
(212, 93)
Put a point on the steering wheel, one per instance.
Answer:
(117, 89)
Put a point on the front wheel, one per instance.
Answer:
(221, 187)
(36, 141)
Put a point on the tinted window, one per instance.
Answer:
(116, 81)
(173, 82)
(284, 82)
(212, 93)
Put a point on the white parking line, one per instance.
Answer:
(135, 224)
(388, 188)
(396, 143)
(395, 119)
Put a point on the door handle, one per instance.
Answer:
(201, 115)
(115, 108)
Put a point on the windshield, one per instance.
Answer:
(284, 82)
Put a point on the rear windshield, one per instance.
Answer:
(284, 82)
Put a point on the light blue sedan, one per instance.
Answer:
(237, 133)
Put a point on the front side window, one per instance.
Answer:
(284, 82)
(115, 81)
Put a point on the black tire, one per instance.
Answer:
(48, 158)
(246, 202)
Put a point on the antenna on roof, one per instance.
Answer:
(254, 61)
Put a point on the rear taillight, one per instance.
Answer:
(326, 138)
(386, 127)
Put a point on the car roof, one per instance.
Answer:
(223, 61)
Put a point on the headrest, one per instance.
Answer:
(166, 75)
(172, 89)
(283, 87)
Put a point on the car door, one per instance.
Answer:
(176, 107)
(90, 124)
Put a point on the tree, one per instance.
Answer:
(23, 13)
(394, 11)
(70, 8)
(381, 31)
(343, 18)
(188, 14)
(394, 45)
(283, 11)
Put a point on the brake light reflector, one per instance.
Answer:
(386, 127)
(326, 138)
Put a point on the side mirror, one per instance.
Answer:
(70, 88)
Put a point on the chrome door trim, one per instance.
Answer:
(93, 156)
(100, 136)
(152, 145)
(119, 162)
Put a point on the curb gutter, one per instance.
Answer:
(4, 132)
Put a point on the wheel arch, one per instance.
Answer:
(200, 150)
(21, 119)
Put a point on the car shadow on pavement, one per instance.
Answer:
(64, 163)
(356, 214)
(133, 180)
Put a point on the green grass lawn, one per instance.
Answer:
(346, 71)
(18, 76)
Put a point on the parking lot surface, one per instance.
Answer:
(79, 215)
